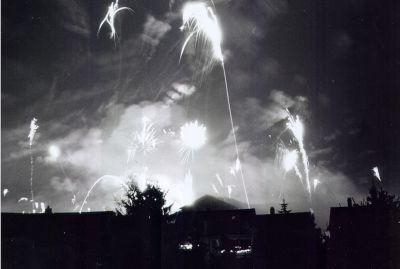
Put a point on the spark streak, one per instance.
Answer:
(113, 9)
(297, 129)
(201, 21)
(32, 132)
(144, 141)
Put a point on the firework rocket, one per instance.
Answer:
(200, 21)
(113, 9)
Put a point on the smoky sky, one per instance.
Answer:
(336, 64)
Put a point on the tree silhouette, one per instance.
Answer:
(147, 203)
(382, 198)
(284, 208)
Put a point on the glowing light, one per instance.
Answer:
(186, 246)
(113, 9)
(200, 21)
(375, 170)
(188, 188)
(289, 160)
(5, 191)
(297, 129)
(54, 152)
(192, 137)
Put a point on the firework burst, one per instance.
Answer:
(375, 171)
(113, 9)
(193, 135)
(144, 141)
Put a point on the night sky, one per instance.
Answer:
(336, 64)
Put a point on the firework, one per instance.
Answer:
(375, 171)
(144, 141)
(23, 199)
(54, 152)
(219, 179)
(113, 9)
(31, 135)
(91, 188)
(5, 191)
(200, 21)
(188, 188)
(215, 188)
(296, 127)
(193, 135)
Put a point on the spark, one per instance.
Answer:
(297, 129)
(229, 187)
(5, 191)
(219, 179)
(32, 132)
(215, 188)
(113, 9)
(42, 206)
(375, 170)
(193, 135)
(23, 199)
(201, 21)
(144, 141)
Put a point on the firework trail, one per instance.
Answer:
(188, 188)
(91, 188)
(297, 129)
(32, 132)
(375, 171)
(193, 135)
(201, 22)
(316, 183)
(144, 141)
(23, 199)
(113, 9)
(5, 191)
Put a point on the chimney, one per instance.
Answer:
(272, 210)
(349, 202)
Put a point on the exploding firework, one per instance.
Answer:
(31, 136)
(375, 171)
(54, 152)
(113, 9)
(5, 191)
(193, 136)
(289, 160)
(200, 21)
(144, 141)
(296, 127)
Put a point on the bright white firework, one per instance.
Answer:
(32, 131)
(289, 160)
(375, 170)
(193, 136)
(200, 21)
(297, 129)
(5, 191)
(113, 9)
(188, 188)
(23, 199)
(144, 141)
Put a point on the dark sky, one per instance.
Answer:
(334, 63)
